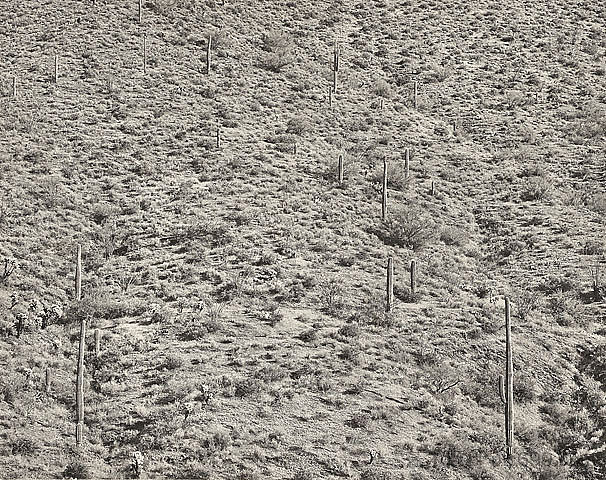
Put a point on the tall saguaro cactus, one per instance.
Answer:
(56, 74)
(208, 53)
(384, 200)
(506, 383)
(335, 69)
(389, 302)
(80, 370)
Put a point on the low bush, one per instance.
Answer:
(409, 227)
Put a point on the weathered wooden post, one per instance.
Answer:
(97, 342)
(56, 74)
(415, 93)
(432, 190)
(14, 86)
(384, 201)
(413, 277)
(407, 163)
(389, 302)
(506, 383)
(381, 103)
(218, 134)
(340, 169)
(140, 11)
(329, 97)
(294, 148)
(82, 346)
(145, 53)
(208, 49)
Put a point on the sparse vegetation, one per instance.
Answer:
(238, 283)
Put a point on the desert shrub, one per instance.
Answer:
(536, 188)
(454, 236)
(564, 306)
(360, 420)
(276, 41)
(598, 203)
(349, 330)
(515, 98)
(77, 469)
(382, 88)
(271, 313)
(557, 283)
(217, 442)
(172, 361)
(331, 295)
(23, 446)
(525, 302)
(408, 227)
(271, 373)
(298, 125)
(279, 51)
(465, 450)
(405, 294)
(594, 247)
(372, 312)
(525, 388)
(245, 387)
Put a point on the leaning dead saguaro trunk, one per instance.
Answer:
(506, 383)
(80, 370)
(335, 66)
(389, 299)
(384, 199)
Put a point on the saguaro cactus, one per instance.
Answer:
(506, 383)
(97, 342)
(48, 380)
(80, 370)
(208, 49)
(335, 63)
(340, 169)
(384, 201)
(413, 277)
(389, 302)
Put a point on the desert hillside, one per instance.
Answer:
(235, 277)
